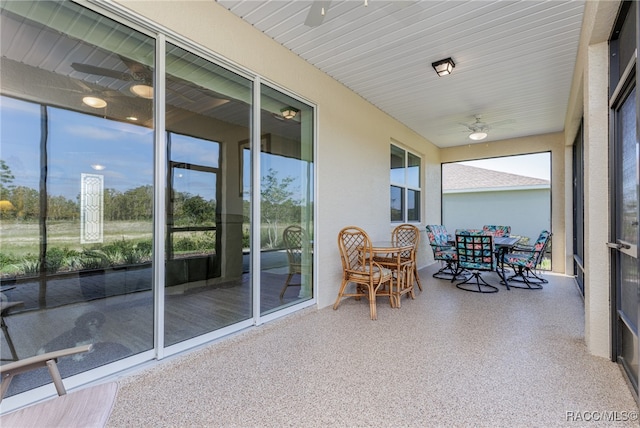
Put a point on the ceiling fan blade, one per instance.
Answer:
(317, 12)
(83, 85)
(139, 72)
(179, 95)
(100, 71)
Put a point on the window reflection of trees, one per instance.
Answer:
(38, 215)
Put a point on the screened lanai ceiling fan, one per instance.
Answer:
(479, 130)
(141, 75)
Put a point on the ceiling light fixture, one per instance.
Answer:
(143, 91)
(289, 112)
(443, 67)
(94, 102)
(478, 135)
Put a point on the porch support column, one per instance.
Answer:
(596, 210)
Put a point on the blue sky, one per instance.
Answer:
(534, 165)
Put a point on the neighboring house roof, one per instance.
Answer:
(457, 177)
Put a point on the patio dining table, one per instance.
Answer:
(503, 245)
(389, 254)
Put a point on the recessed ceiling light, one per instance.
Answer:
(98, 167)
(94, 102)
(143, 91)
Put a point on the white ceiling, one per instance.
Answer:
(514, 59)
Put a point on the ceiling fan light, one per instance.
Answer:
(143, 91)
(478, 135)
(94, 102)
(444, 66)
(289, 112)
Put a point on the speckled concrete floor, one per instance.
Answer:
(448, 358)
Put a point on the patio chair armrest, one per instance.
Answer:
(8, 371)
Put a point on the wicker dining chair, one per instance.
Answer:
(296, 241)
(475, 255)
(405, 234)
(358, 267)
(408, 234)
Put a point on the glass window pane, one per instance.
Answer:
(413, 205)
(397, 203)
(413, 171)
(397, 165)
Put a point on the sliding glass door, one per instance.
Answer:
(286, 201)
(76, 187)
(208, 111)
(130, 217)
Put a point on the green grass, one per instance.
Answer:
(22, 238)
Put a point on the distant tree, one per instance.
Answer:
(61, 208)
(276, 199)
(199, 211)
(6, 176)
(26, 201)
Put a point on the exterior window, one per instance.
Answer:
(406, 170)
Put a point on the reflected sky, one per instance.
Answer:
(78, 143)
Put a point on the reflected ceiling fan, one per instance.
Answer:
(141, 75)
(95, 97)
(479, 130)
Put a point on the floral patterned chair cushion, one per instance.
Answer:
(475, 254)
(443, 250)
(525, 259)
(494, 230)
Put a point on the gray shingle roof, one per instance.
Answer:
(458, 177)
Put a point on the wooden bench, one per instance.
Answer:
(88, 407)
